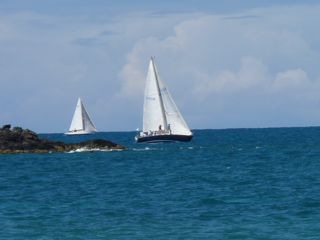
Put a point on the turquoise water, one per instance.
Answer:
(225, 184)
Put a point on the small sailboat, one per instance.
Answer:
(162, 120)
(81, 122)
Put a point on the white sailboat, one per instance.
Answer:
(81, 122)
(162, 120)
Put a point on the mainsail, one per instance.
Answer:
(159, 108)
(81, 122)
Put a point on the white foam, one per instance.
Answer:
(79, 150)
(143, 149)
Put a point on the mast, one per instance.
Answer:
(164, 118)
(82, 117)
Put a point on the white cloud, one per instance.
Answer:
(295, 79)
(252, 73)
(134, 72)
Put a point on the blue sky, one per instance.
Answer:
(227, 63)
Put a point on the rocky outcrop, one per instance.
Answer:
(18, 140)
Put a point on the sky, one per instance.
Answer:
(228, 64)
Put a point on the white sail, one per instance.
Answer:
(88, 124)
(81, 122)
(159, 107)
(174, 118)
(153, 114)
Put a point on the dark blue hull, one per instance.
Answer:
(164, 138)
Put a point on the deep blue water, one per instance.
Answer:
(225, 184)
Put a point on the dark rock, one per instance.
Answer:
(17, 130)
(20, 140)
(6, 127)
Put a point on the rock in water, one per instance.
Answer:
(6, 127)
(18, 140)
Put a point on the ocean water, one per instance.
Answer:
(225, 184)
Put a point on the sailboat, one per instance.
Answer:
(162, 120)
(81, 122)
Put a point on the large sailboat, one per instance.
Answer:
(162, 120)
(81, 122)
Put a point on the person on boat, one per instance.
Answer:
(169, 128)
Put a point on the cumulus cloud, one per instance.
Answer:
(252, 73)
(295, 79)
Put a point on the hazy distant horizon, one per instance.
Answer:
(198, 129)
